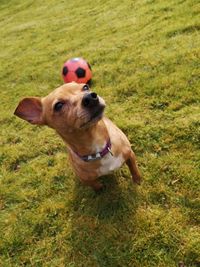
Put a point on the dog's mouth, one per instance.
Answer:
(98, 113)
(95, 116)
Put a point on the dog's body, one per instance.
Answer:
(96, 146)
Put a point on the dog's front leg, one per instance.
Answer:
(131, 162)
(96, 185)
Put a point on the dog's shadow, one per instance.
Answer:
(101, 223)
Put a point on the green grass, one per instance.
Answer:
(145, 56)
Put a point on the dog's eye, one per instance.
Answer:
(86, 87)
(58, 106)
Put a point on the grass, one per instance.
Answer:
(146, 64)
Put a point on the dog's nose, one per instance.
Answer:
(90, 100)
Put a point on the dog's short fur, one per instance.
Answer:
(77, 116)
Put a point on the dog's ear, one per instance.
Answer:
(30, 109)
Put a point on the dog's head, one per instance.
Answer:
(70, 107)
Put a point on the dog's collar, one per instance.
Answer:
(98, 155)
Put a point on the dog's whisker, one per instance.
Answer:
(81, 115)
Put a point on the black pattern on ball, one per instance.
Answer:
(80, 73)
(65, 71)
(89, 66)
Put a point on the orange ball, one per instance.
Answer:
(77, 70)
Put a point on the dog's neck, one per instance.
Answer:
(87, 141)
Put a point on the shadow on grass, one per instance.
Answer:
(103, 223)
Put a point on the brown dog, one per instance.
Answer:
(96, 146)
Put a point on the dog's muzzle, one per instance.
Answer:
(94, 106)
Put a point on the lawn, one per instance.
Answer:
(145, 57)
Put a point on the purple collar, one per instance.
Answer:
(98, 155)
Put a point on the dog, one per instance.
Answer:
(95, 144)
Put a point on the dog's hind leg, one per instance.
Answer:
(131, 162)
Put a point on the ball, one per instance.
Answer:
(77, 70)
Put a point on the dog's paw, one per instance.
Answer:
(98, 189)
(137, 179)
